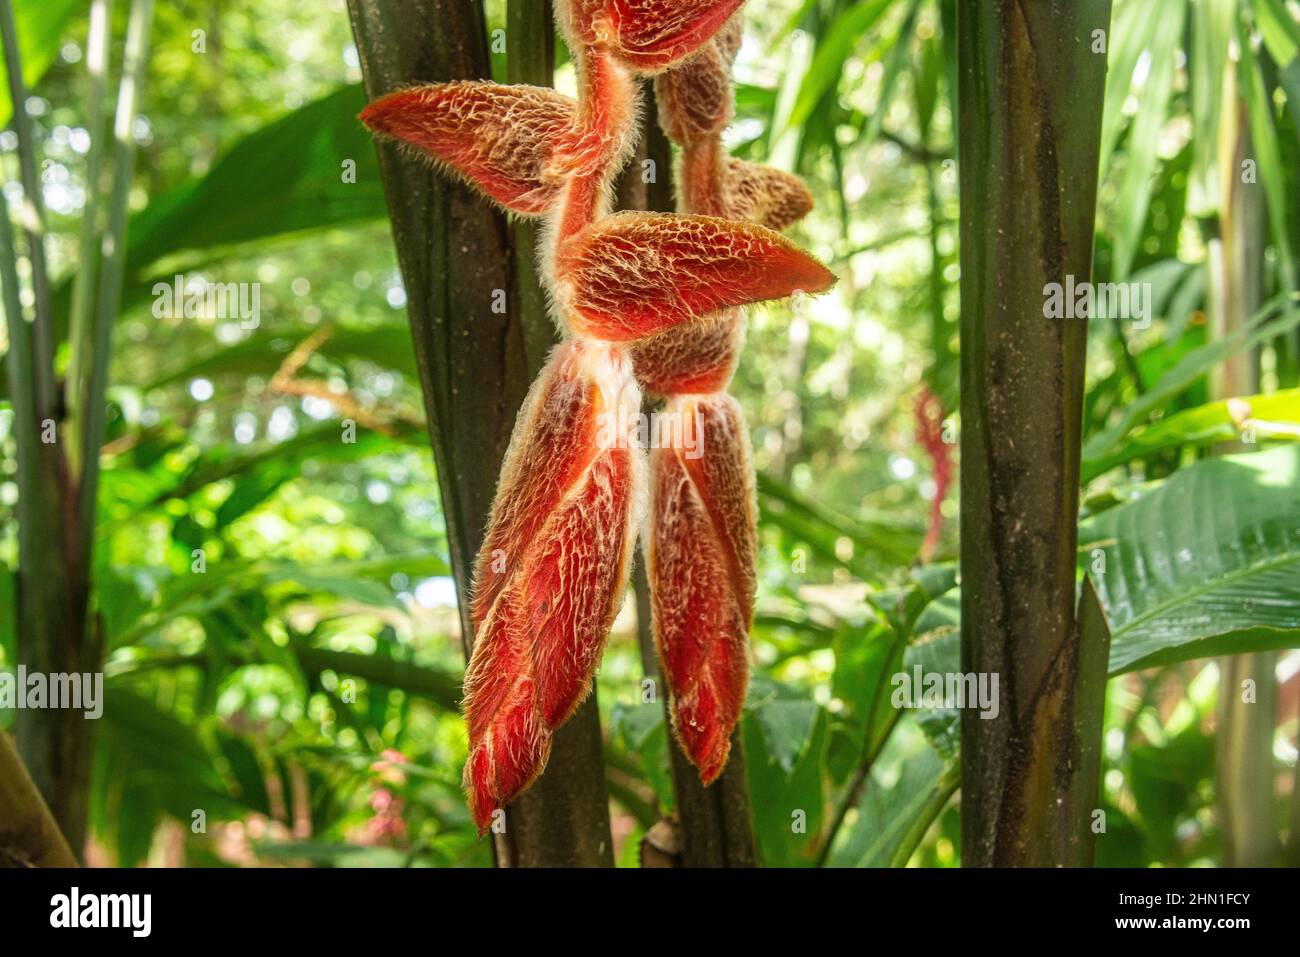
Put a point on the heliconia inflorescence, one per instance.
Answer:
(645, 295)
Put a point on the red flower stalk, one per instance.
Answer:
(701, 540)
(930, 415)
(553, 568)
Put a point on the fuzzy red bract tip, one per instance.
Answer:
(553, 565)
(700, 555)
(650, 35)
(498, 138)
(634, 274)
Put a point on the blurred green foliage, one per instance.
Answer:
(282, 653)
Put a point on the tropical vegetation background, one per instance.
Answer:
(268, 572)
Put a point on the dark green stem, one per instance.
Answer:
(1031, 93)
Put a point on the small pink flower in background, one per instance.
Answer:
(387, 825)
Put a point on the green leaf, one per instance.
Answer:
(1131, 34)
(787, 728)
(1213, 23)
(820, 528)
(888, 816)
(285, 178)
(154, 747)
(938, 651)
(41, 25)
(1261, 327)
(1275, 416)
(785, 745)
(440, 687)
(246, 770)
(899, 57)
(834, 48)
(1272, 174)
(1279, 29)
(644, 733)
(1207, 563)
(262, 354)
(860, 682)
(1141, 154)
(8, 614)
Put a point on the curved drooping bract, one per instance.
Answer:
(553, 567)
(700, 552)
(498, 138)
(650, 35)
(694, 357)
(635, 274)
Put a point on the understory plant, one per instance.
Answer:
(553, 568)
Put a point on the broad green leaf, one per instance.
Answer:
(785, 745)
(1207, 563)
(644, 733)
(937, 651)
(787, 728)
(864, 663)
(285, 178)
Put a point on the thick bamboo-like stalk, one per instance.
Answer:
(475, 368)
(29, 836)
(1031, 84)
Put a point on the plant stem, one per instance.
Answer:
(47, 624)
(32, 218)
(1244, 738)
(113, 251)
(83, 284)
(1031, 93)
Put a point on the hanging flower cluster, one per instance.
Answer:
(554, 563)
